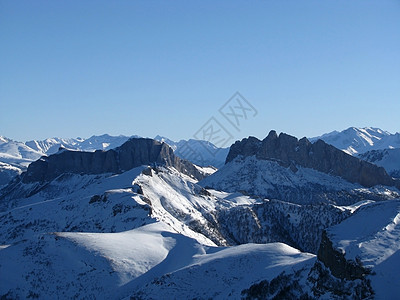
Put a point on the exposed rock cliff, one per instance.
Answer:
(335, 260)
(320, 156)
(133, 153)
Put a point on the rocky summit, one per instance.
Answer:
(133, 153)
(291, 152)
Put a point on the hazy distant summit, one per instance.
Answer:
(359, 140)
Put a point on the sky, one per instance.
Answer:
(83, 68)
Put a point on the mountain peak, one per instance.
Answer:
(133, 153)
(288, 151)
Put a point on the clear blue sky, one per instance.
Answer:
(78, 68)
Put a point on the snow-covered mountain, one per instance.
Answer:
(360, 140)
(134, 222)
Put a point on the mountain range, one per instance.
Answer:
(283, 218)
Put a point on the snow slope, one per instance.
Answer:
(359, 140)
(372, 235)
(118, 265)
(223, 273)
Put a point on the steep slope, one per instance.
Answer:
(359, 140)
(386, 158)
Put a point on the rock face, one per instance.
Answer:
(320, 156)
(133, 153)
(335, 260)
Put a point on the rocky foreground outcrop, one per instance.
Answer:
(291, 152)
(133, 153)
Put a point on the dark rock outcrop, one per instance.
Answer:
(336, 262)
(133, 153)
(289, 152)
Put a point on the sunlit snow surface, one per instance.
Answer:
(63, 242)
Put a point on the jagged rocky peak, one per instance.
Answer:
(133, 153)
(320, 156)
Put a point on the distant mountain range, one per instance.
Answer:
(360, 140)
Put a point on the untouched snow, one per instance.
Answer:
(130, 253)
(118, 265)
(372, 234)
(222, 273)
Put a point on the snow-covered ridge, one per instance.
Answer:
(359, 140)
